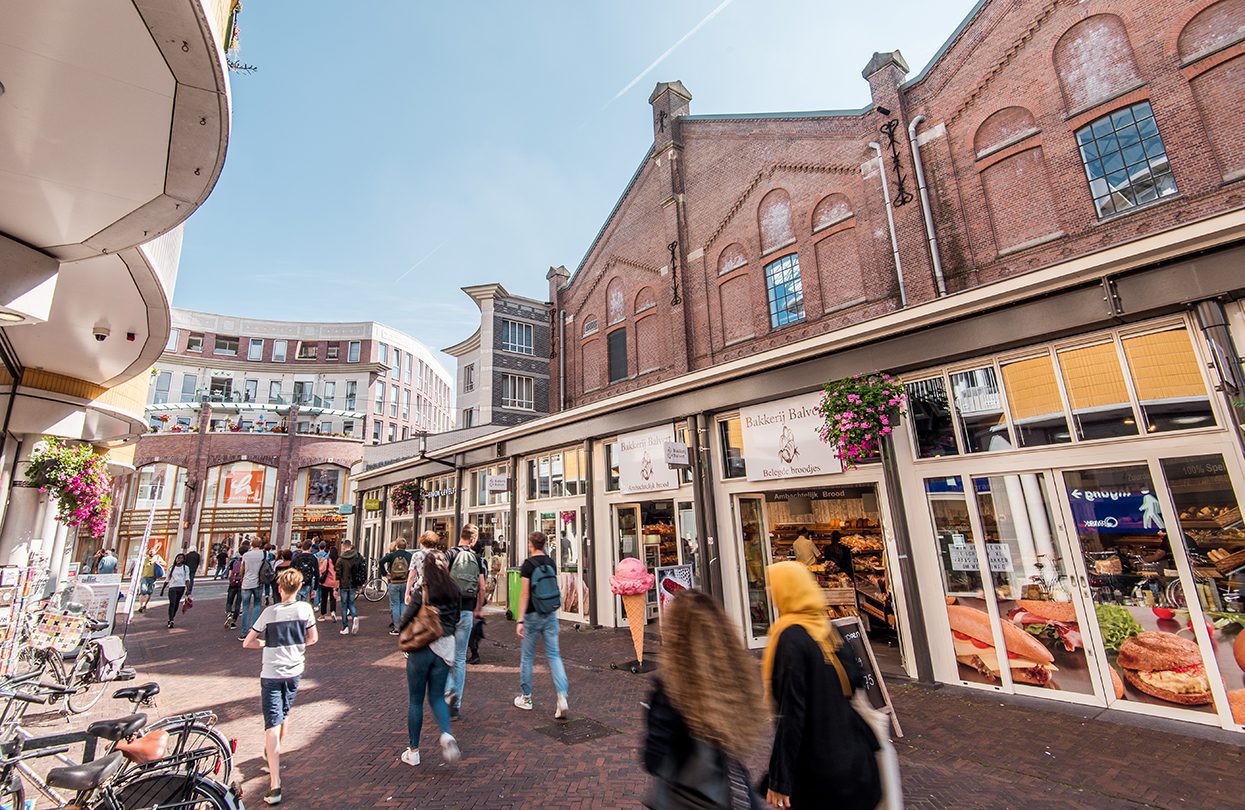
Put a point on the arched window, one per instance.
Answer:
(785, 291)
(1094, 61)
(1003, 128)
(1125, 160)
(644, 300)
(731, 258)
(832, 209)
(615, 303)
(590, 326)
(774, 218)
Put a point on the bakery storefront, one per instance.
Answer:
(488, 507)
(651, 512)
(439, 505)
(788, 496)
(555, 486)
(1079, 504)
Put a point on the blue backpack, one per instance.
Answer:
(546, 596)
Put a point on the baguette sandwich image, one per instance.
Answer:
(1027, 659)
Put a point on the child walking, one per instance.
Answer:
(283, 632)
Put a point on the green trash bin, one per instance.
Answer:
(514, 587)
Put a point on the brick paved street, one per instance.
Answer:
(963, 749)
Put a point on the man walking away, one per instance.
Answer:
(269, 585)
(233, 596)
(283, 631)
(193, 561)
(309, 566)
(255, 569)
(396, 567)
(540, 598)
(222, 561)
(467, 571)
(107, 563)
(351, 576)
(328, 587)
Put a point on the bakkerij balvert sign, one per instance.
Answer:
(781, 441)
(642, 462)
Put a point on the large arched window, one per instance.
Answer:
(785, 291)
(774, 219)
(1125, 160)
(615, 302)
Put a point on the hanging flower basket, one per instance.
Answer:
(858, 412)
(407, 497)
(79, 479)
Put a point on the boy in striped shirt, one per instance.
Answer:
(283, 632)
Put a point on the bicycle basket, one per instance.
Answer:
(62, 632)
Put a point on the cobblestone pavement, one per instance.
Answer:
(963, 749)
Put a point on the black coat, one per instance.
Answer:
(824, 752)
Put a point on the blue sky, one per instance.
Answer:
(482, 141)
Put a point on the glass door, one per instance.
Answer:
(569, 551)
(628, 543)
(1150, 642)
(750, 513)
(689, 546)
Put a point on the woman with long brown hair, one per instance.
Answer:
(706, 712)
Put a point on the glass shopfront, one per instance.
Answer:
(156, 493)
(438, 514)
(1107, 561)
(238, 501)
(318, 495)
(554, 488)
(488, 505)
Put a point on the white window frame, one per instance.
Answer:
(514, 387)
(469, 378)
(193, 336)
(170, 345)
(255, 349)
(353, 351)
(332, 351)
(279, 350)
(517, 337)
(216, 349)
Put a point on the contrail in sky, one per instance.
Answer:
(672, 48)
(431, 253)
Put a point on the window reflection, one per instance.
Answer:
(732, 439)
(1100, 403)
(983, 425)
(931, 418)
(1168, 381)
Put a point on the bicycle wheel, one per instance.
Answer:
(186, 736)
(180, 790)
(13, 794)
(88, 689)
(375, 589)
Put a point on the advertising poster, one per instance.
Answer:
(642, 462)
(105, 590)
(243, 487)
(781, 440)
(671, 580)
(322, 489)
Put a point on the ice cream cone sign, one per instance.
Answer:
(632, 582)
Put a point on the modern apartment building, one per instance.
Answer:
(503, 369)
(354, 380)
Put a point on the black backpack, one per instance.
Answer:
(358, 573)
(309, 566)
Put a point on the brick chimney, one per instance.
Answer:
(557, 278)
(669, 101)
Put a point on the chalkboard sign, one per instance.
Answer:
(855, 640)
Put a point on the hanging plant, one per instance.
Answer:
(858, 412)
(79, 479)
(407, 497)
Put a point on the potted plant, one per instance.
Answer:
(407, 497)
(858, 412)
(79, 480)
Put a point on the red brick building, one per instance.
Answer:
(1040, 235)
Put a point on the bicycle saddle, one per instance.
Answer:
(88, 775)
(147, 748)
(120, 729)
(138, 694)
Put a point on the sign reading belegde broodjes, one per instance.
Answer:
(781, 441)
(642, 462)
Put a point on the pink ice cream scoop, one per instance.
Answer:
(631, 577)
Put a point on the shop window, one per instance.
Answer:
(617, 350)
(930, 415)
(1101, 406)
(573, 461)
(194, 342)
(611, 463)
(785, 291)
(1168, 381)
(1125, 160)
(279, 348)
(983, 426)
(1033, 399)
(731, 436)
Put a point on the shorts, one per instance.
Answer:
(147, 585)
(277, 697)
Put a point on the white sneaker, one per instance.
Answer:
(449, 748)
(345, 631)
(524, 702)
(333, 616)
(410, 757)
(563, 708)
(354, 625)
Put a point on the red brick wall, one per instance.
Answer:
(1006, 182)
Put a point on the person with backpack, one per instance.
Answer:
(328, 588)
(152, 569)
(309, 566)
(428, 542)
(270, 586)
(233, 576)
(540, 599)
(257, 572)
(468, 570)
(351, 576)
(396, 567)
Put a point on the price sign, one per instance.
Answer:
(999, 555)
(963, 558)
(856, 643)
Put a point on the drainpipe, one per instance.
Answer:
(561, 359)
(890, 221)
(930, 236)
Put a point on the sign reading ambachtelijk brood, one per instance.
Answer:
(781, 441)
(642, 462)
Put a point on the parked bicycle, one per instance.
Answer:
(376, 588)
(95, 662)
(193, 731)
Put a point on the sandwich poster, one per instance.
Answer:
(671, 581)
(781, 440)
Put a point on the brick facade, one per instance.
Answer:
(999, 110)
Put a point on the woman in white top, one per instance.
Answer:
(179, 575)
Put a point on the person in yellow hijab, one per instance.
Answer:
(823, 753)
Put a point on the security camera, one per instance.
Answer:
(101, 333)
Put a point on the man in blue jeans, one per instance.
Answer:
(540, 599)
(252, 594)
(468, 570)
(396, 567)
